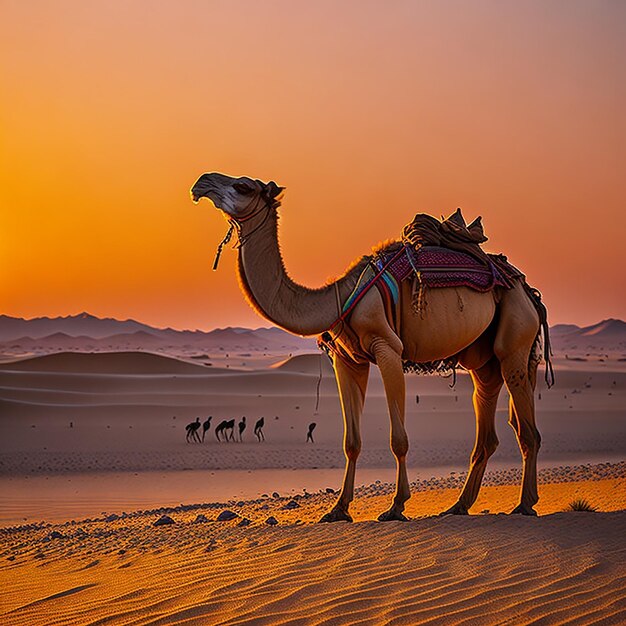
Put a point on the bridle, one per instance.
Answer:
(235, 223)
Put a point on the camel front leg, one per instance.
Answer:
(389, 362)
(352, 384)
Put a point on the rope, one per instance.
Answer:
(224, 241)
(319, 382)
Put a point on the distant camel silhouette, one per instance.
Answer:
(309, 435)
(205, 426)
(258, 429)
(242, 427)
(192, 430)
(223, 427)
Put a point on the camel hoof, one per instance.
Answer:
(455, 509)
(522, 509)
(336, 515)
(392, 516)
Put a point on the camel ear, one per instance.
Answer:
(272, 189)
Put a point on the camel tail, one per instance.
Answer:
(535, 298)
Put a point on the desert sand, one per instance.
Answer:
(560, 568)
(93, 453)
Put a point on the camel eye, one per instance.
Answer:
(243, 189)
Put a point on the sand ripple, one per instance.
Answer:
(482, 569)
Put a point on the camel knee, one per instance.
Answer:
(400, 445)
(529, 441)
(352, 448)
(485, 449)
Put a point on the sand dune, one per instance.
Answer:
(136, 421)
(484, 569)
(68, 417)
(118, 363)
(306, 364)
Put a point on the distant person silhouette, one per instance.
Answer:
(309, 435)
(192, 430)
(242, 427)
(258, 429)
(205, 426)
(222, 427)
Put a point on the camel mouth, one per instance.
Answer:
(197, 194)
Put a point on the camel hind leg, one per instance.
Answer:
(517, 330)
(529, 441)
(487, 385)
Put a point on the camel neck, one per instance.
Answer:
(271, 291)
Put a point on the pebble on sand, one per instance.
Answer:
(201, 518)
(55, 534)
(292, 504)
(244, 522)
(226, 516)
(163, 520)
(271, 520)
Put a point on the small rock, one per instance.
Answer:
(292, 504)
(112, 517)
(265, 507)
(271, 520)
(329, 490)
(122, 551)
(55, 534)
(201, 519)
(11, 558)
(244, 522)
(163, 520)
(276, 495)
(226, 516)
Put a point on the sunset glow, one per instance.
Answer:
(367, 114)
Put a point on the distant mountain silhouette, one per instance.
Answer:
(85, 331)
(609, 334)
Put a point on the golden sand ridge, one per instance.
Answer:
(488, 568)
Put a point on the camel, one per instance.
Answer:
(242, 428)
(258, 429)
(205, 426)
(309, 434)
(491, 334)
(223, 427)
(192, 430)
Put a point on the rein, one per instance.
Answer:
(236, 224)
(367, 287)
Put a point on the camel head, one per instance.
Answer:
(239, 197)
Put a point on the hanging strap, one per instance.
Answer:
(224, 241)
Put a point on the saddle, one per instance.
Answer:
(434, 254)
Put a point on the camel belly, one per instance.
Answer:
(452, 319)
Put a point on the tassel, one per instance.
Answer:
(226, 239)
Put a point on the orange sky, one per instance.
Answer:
(368, 112)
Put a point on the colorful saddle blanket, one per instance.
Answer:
(433, 267)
